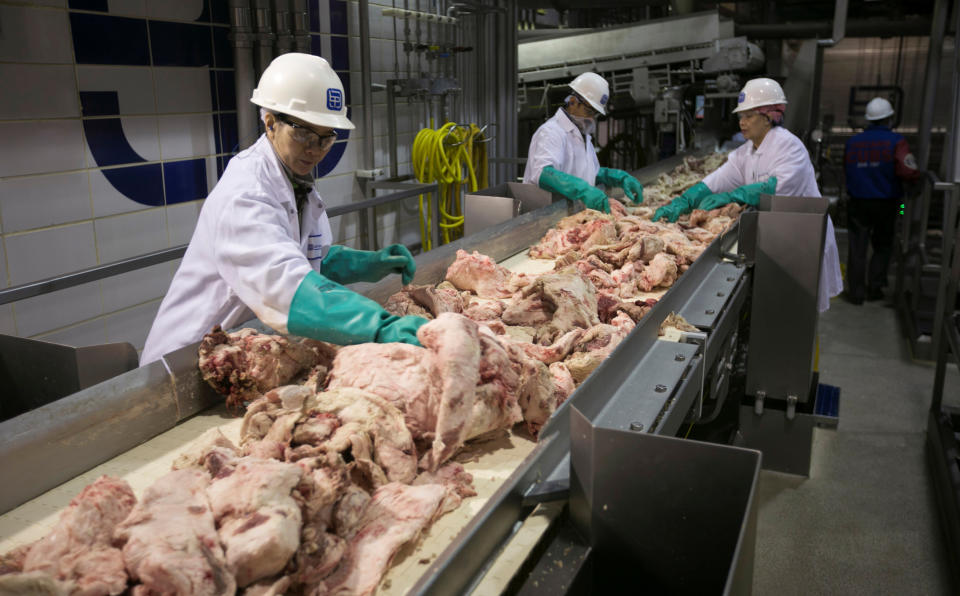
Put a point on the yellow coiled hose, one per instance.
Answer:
(451, 157)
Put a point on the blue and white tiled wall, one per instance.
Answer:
(117, 118)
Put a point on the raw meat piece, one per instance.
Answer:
(245, 364)
(425, 301)
(258, 519)
(195, 456)
(479, 309)
(559, 241)
(595, 345)
(479, 273)
(572, 300)
(170, 542)
(79, 550)
(371, 429)
(403, 375)
(395, 515)
(12, 561)
(402, 304)
(609, 304)
(662, 271)
(676, 321)
(321, 555)
(269, 587)
(555, 352)
(529, 311)
(349, 509)
(35, 583)
(454, 342)
(563, 384)
(456, 481)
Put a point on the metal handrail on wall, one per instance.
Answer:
(76, 278)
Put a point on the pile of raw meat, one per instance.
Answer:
(345, 453)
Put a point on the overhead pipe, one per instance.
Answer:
(283, 23)
(931, 81)
(263, 19)
(241, 36)
(301, 25)
(839, 25)
(819, 29)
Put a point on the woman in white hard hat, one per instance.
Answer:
(773, 160)
(875, 163)
(562, 158)
(262, 245)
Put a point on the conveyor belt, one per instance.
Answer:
(500, 468)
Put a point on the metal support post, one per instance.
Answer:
(931, 80)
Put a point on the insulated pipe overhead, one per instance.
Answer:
(839, 25)
(301, 25)
(284, 26)
(366, 86)
(263, 18)
(931, 80)
(241, 36)
(854, 28)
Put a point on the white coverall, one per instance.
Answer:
(559, 143)
(783, 155)
(247, 256)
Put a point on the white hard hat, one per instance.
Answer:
(593, 88)
(760, 92)
(305, 87)
(878, 109)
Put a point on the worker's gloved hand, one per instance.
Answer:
(749, 194)
(573, 188)
(630, 185)
(347, 265)
(685, 203)
(323, 309)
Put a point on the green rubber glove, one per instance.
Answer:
(748, 194)
(323, 309)
(573, 188)
(685, 203)
(347, 265)
(631, 186)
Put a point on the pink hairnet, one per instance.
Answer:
(774, 112)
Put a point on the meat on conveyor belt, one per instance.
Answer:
(334, 474)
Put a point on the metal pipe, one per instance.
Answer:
(839, 26)
(366, 86)
(263, 19)
(931, 80)
(284, 41)
(241, 36)
(854, 28)
(301, 25)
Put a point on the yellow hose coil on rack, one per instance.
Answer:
(450, 157)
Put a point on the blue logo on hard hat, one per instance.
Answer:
(742, 97)
(603, 100)
(334, 99)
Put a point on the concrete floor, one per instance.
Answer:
(865, 521)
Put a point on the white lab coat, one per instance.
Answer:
(559, 143)
(247, 256)
(783, 155)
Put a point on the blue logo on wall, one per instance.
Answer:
(334, 99)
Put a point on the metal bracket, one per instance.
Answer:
(791, 406)
(758, 403)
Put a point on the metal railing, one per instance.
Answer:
(367, 207)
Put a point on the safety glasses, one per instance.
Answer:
(307, 137)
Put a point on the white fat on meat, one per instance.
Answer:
(170, 540)
(480, 274)
(403, 375)
(454, 342)
(394, 516)
(78, 555)
(258, 518)
(660, 272)
(596, 344)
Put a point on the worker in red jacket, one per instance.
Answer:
(876, 162)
